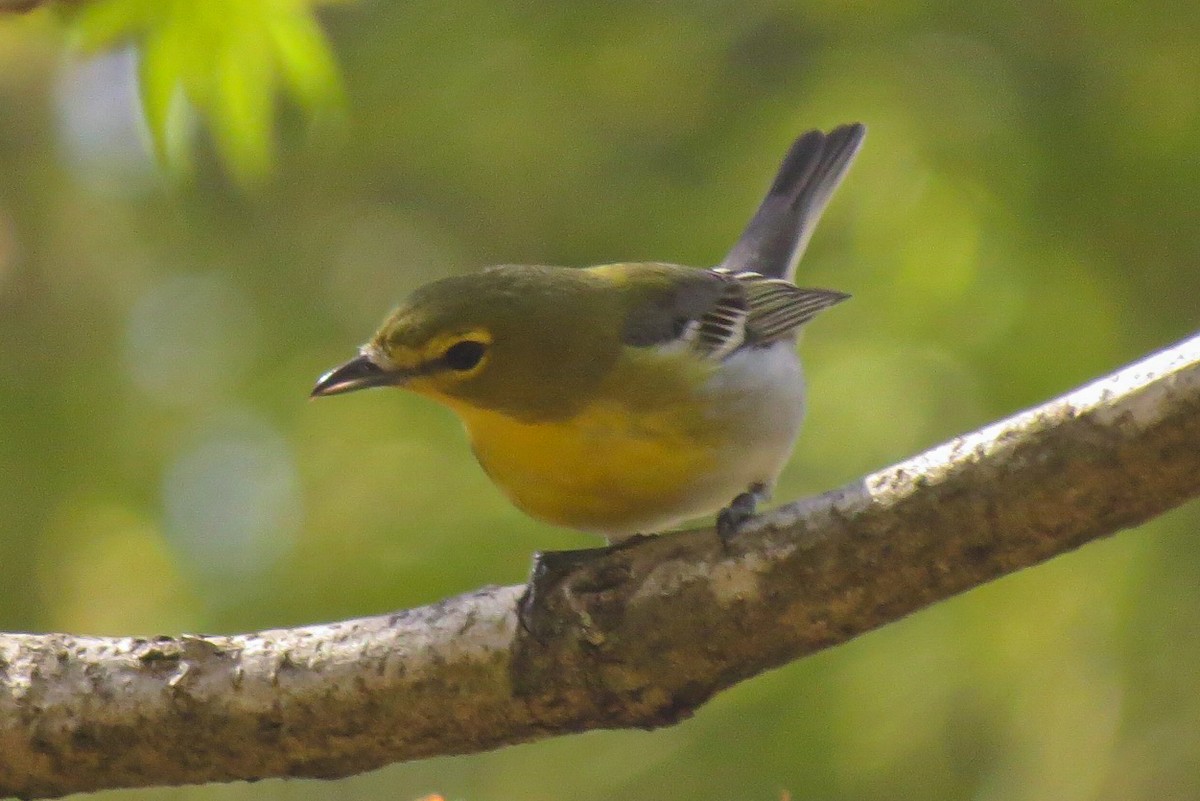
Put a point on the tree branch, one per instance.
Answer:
(633, 636)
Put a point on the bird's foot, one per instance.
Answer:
(739, 511)
(571, 577)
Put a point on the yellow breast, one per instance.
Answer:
(605, 469)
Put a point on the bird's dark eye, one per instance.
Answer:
(464, 355)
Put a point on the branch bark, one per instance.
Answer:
(635, 636)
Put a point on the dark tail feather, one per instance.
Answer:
(775, 239)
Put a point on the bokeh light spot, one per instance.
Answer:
(100, 124)
(232, 501)
(189, 337)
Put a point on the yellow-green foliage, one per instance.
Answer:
(227, 60)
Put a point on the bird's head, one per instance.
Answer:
(526, 341)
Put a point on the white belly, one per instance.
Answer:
(757, 397)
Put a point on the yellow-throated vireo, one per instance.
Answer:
(626, 398)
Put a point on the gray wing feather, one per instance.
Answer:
(773, 308)
(777, 235)
(722, 329)
(717, 312)
(782, 316)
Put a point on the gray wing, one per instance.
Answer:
(777, 235)
(675, 312)
(770, 309)
(721, 312)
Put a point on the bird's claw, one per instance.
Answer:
(566, 574)
(739, 511)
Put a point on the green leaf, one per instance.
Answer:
(161, 91)
(104, 23)
(305, 60)
(224, 60)
(243, 110)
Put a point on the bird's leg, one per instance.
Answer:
(562, 562)
(731, 519)
(567, 571)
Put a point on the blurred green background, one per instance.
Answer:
(1023, 218)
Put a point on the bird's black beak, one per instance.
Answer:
(358, 373)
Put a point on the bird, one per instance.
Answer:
(626, 399)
